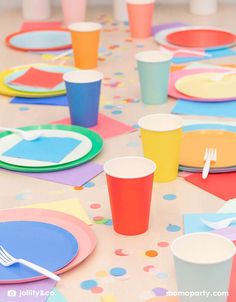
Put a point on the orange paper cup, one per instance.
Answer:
(130, 181)
(140, 17)
(85, 42)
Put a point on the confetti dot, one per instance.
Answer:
(118, 73)
(79, 188)
(88, 284)
(95, 206)
(89, 184)
(163, 244)
(117, 112)
(159, 291)
(101, 274)
(133, 144)
(100, 220)
(136, 126)
(173, 228)
(118, 271)
(169, 196)
(109, 222)
(151, 253)
(108, 298)
(97, 290)
(148, 268)
(161, 275)
(109, 106)
(24, 108)
(121, 252)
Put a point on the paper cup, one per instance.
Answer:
(85, 43)
(154, 72)
(140, 13)
(130, 181)
(161, 138)
(203, 7)
(203, 263)
(36, 9)
(120, 10)
(73, 11)
(83, 92)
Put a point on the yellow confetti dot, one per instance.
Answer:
(101, 274)
(108, 298)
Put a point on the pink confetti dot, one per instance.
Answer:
(148, 268)
(97, 290)
(98, 218)
(163, 244)
(95, 206)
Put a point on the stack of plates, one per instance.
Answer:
(62, 242)
(197, 138)
(90, 146)
(9, 89)
(195, 37)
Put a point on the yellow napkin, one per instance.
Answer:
(69, 206)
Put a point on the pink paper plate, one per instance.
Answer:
(82, 232)
(174, 93)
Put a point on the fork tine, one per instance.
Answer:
(3, 257)
(2, 260)
(6, 254)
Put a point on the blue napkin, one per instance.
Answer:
(53, 101)
(47, 149)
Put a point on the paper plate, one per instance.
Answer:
(177, 75)
(161, 38)
(4, 90)
(12, 139)
(194, 144)
(201, 38)
(38, 40)
(70, 131)
(47, 245)
(202, 86)
(50, 68)
(82, 232)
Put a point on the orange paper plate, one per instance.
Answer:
(201, 38)
(194, 144)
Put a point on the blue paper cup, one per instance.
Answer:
(83, 92)
(154, 71)
(203, 263)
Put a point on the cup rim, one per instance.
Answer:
(140, 2)
(203, 262)
(178, 121)
(151, 170)
(85, 26)
(154, 56)
(82, 76)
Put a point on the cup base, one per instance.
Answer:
(130, 233)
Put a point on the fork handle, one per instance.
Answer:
(40, 270)
(206, 168)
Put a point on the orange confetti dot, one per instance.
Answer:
(78, 188)
(151, 253)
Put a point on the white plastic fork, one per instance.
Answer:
(221, 224)
(26, 135)
(7, 260)
(209, 156)
(186, 51)
(219, 77)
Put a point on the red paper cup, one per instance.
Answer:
(130, 181)
(140, 17)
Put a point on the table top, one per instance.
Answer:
(17, 190)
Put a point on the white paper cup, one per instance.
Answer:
(203, 263)
(36, 9)
(120, 10)
(203, 7)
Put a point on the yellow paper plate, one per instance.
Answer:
(202, 86)
(4, 90)
(194, 144)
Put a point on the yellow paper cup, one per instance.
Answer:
(85, 42)
(161, 137)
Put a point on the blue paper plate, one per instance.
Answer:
(44, 244)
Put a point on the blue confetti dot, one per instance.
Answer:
(116, 112)
(169, 196)
(88, 284)
(118, 271)
(140, 46)
(108, 222)
(161, 275)
(118, 73)
(126, 23)
(109, 106)
(89, 184)
(173, 228)
(136, 126)
(24, 108)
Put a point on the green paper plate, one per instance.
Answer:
(95, 138)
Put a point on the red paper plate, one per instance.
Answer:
(201, 38)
